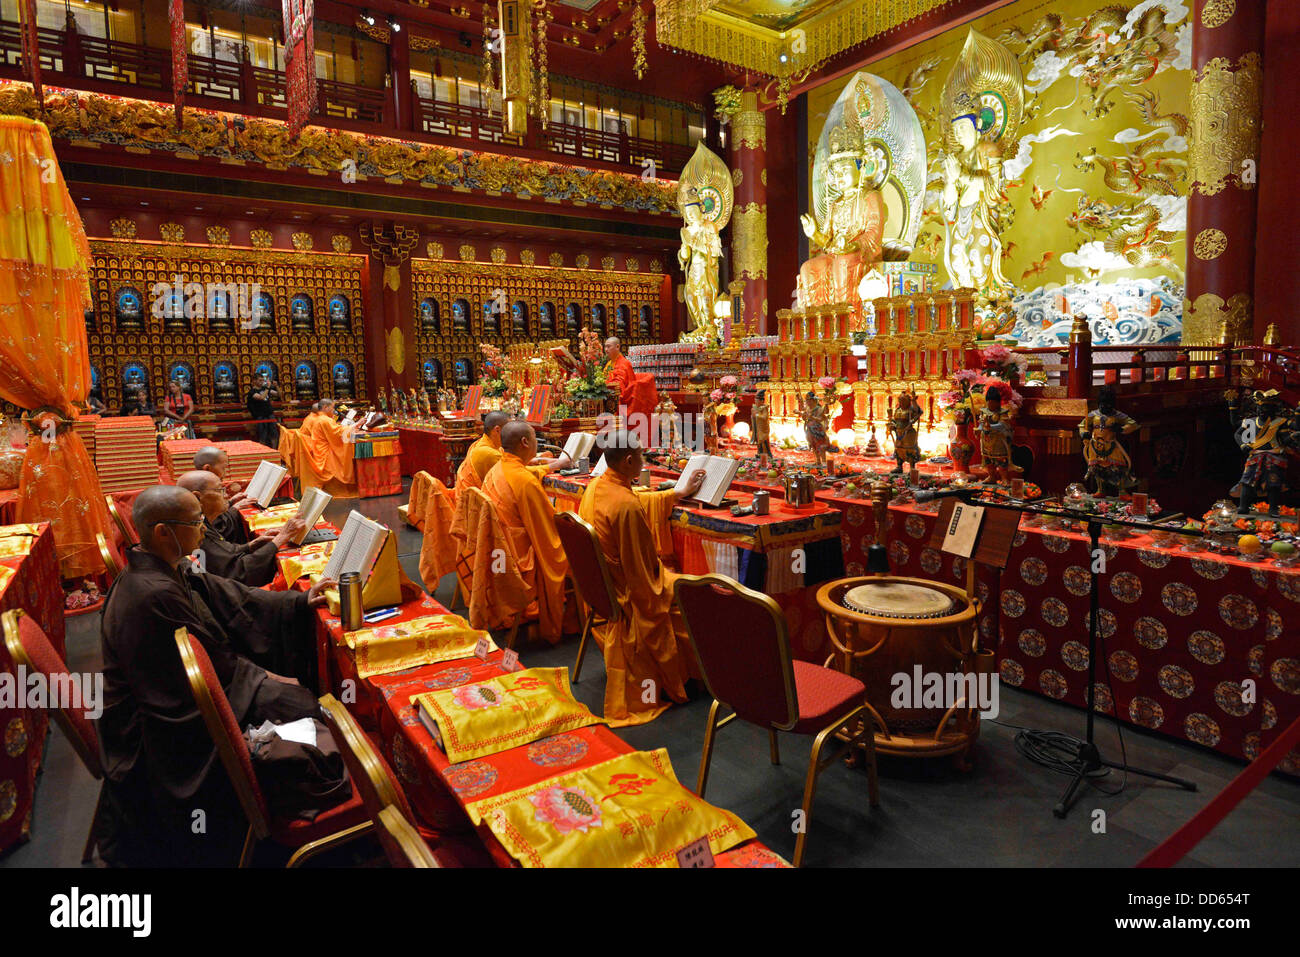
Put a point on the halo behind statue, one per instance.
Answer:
(873, 119)
(705, 180)
(987, 85)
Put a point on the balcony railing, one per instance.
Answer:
(78, 61)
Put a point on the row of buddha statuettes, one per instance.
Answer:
(870, 400)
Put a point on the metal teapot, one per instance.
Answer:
(800, 488)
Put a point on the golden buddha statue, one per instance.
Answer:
(705, 196)
(868, 188)
(984, 101)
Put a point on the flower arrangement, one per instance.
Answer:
(587, 383)
(724, 397)
(1001, 368)
(1266, 526)
(494, 362)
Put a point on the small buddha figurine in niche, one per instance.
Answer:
(300, 313)
(340, 313)
(1110, 469)
(760, 420)
(816, 418)
(223, 383)
(903, 427)
(130, 317)
(1268, 435)
(995, 432)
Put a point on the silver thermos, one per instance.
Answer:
(761, 501)
(350, 609)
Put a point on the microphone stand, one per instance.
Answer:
(1088, 760)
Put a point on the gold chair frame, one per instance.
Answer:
(89, 759)
(406, 837)
(128, 536)
(259, 826)
(607, 580)
(110, 560)
(853, 729)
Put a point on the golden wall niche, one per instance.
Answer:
(117, 264)
(445, 282)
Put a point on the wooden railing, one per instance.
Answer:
(1077, 370)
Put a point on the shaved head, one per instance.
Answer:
(494, 420)
(612, 343)
(516, 436)
(165, 517)
(209, 456)
(617, 444)
(198, 481)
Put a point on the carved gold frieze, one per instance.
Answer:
(123, 228)
(1225, 110)
(467, 253)
(1204, 319)
(133, 124)
(301, 241)
(341, 243)
(527, 257)
(261, 238)
(434, 250)
(218, 235)
(172, 232)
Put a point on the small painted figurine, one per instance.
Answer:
(383, 399)
(1267, 437)
(415, 403)
(759, 419)
(1109, 467)
(903, 427)
(994, 429)
(710, 419)
(815, 416)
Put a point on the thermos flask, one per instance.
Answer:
(350, 601)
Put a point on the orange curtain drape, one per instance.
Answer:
(44, 362)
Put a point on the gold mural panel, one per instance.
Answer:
(396, 350)
(1216, 13)
(1203, 320)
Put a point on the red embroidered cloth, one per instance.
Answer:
(34, 588)
(425, 450)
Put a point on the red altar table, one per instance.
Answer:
(423, 449)
(8, 506)
(785, 554)
(439, 791)
(377, 460)
(29, 582)
(1180, 631)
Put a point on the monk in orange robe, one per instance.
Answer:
(637, 395)
(529, 519)
(317, 455)
(647, 650)
(484, 453)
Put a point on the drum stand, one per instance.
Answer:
(1089, 760)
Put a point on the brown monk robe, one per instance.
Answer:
(529, 519)
(252, 564)
(230, 524)
(484, 453)
(648, 642)
(160, 764)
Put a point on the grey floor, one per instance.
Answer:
(998, 814)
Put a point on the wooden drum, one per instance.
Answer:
(885, 626)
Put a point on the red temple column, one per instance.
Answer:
(1227, 75)
(749, 218)
(390, 330)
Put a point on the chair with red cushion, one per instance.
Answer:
(331, 828)
(112, 556)
(30, 649)
(590, 576)
(372, 776)
(401, 841)
(743, 648)
(129, 537)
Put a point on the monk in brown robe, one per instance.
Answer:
(160, 765)
(529, 519)
(251, 564)
(230, 523)
(647, 654)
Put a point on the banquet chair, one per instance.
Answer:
(590, 576)
(401, 841)
(372, 776)
(129, 536)
(112, 558)
(29, 648)
(331, 828)
(496, 598)
(743, 649)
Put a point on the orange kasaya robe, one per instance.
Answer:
(636, 391)
(528, 517)
(479, 459)
(317, 456)
(649, 640)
